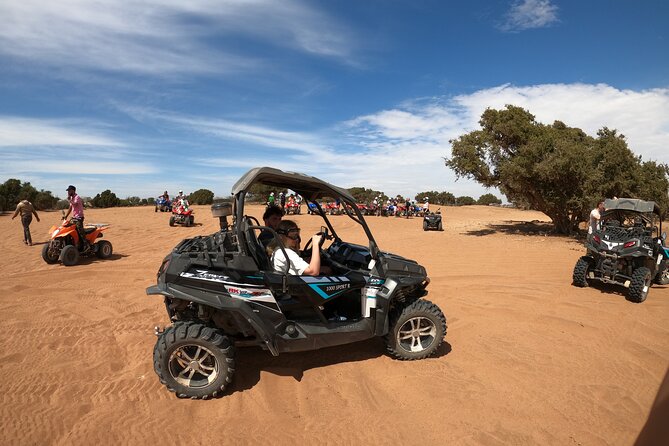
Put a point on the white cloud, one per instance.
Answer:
(528, 14)
(162, 37)
(74, 166)
(403, 147)
(17, 131)
(231, 130)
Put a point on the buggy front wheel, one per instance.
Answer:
(416, 330)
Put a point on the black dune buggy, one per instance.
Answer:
(221, 293)
(627, 249)
(432, 220)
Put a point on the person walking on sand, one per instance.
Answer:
(77, 209)
(26, 209)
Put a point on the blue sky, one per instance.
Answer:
(145, 95)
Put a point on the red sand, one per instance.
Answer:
(530, 359)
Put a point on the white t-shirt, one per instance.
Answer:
(594, 221)
(297, 263)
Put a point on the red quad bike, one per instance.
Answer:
(64, 243)
(182, 215)
(293, 208)
(332, 209)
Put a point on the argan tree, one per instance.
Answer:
(555, 169)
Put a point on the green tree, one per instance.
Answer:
(259, 193)
(556, 169)
(9, 194)
(465, 201)
(364, 195)
(488, 199)
(44, 200)
(106, 199)
(445, 198)
(201, 196)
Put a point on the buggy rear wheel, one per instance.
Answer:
(641, 281)
(416, 330)
(580, 275)
(193, 360)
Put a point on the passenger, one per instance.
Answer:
(289, 234)
(272, 218)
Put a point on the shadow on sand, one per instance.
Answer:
(535, 227)
(251, 361)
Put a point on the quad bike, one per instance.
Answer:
(64, 243)
(312, 208)
(432, 221)
(182, 215)
(292, 208)
(222, 293)
(332, 208)
(163, 205)
(626, 250)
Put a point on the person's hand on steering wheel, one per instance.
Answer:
(317, 240)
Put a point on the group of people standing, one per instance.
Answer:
(292, 199)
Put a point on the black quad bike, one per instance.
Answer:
(221, 293)
(627, 249)
(432, 221)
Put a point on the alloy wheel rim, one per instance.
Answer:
(416, 334)
(193, 366)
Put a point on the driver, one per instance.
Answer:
(289, 233)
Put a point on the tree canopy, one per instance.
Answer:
(556, 169)
(106, 199)
(364, 195)
(12, 191)
(201, 196)
(488, 199)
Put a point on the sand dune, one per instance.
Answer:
(529, 359)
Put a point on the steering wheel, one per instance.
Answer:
(306, 252)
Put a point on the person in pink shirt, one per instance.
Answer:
(77, 209)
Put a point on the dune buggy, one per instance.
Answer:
(627, 249)
(221, 293)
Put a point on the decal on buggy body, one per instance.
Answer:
(244, 291)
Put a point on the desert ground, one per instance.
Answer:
(528, 358)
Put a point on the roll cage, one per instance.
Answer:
(310, 188)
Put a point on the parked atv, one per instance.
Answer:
(293, 208)
(221, 293)
(332, 208)
(626, 250)
(163, 205)
(182, 214)
(64, 243)
(432, 221)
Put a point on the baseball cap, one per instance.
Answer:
(71, 187)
